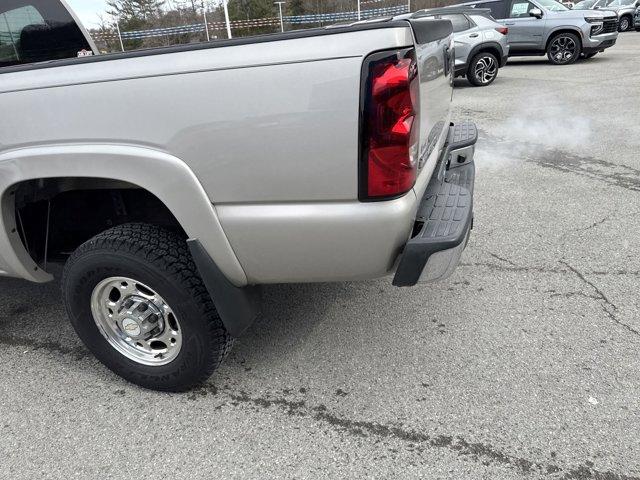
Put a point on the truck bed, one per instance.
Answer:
(269, 126)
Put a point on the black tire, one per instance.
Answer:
(161, 260)
(564, 48)
(483, 69)
(626, 23)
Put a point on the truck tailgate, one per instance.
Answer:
(435, 60)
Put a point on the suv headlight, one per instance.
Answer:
(597, 23)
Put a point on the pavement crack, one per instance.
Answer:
(574, 294)
(608, 306)
(589, 227)
(593, 225)
(505, 260)
(631, 273)
(513, 268)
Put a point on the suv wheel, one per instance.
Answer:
(564, 49)
(135, 299)
(483, 69)
(625, 24)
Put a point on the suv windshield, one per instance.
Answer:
(584, 5)
(621, 3)
(552, 5)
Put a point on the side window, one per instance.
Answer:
(38, 31)
(520, 9)
(498, 9)
(12, 25)
(460, 22)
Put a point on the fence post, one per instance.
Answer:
(226, 17)
(119, 35)
(206, 24)
(280, 8)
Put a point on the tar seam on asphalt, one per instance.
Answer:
(479, 452)
(610, 173)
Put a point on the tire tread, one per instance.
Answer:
(168, 252)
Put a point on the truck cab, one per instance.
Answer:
(33, 31)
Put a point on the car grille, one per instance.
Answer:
(609, 25)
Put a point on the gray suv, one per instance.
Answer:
(537, 27)
(481, 46)
(625, 10)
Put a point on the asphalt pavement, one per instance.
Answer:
(525, 364)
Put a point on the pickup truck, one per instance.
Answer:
(171, 183)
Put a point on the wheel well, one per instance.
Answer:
(54, 216)
(488, 49)
(565, 30)
(629, 17)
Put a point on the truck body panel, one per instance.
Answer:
(269, 130)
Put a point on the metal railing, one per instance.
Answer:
(294, 20)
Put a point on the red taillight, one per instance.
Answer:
(502, 30)
(389, 123)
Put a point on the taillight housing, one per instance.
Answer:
(389, 125)
(502, 30)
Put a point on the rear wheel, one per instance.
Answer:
(625, 24)
(135, 299)
(564, 49)
(483, 69)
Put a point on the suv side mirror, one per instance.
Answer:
(535, 12)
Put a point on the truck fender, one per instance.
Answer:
(164, 175)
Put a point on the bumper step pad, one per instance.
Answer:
(445, 215)
(462, 135)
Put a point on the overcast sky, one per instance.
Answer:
(88, 10)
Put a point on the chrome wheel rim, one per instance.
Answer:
(136, 321)
(486, 69)
(563, 49)
(624, 24)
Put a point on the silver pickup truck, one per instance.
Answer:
(173, 182)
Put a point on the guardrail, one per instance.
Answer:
(258, 22)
